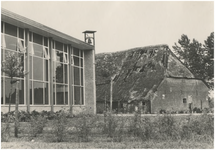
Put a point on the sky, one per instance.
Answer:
(122, 25)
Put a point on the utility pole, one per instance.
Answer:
(105, 102)
(111, 93)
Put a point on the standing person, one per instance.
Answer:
(190, 102)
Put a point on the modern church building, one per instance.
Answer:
(61, 71)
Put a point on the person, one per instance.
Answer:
(190, 102)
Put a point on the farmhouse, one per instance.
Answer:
(61, 71)
(151, 78)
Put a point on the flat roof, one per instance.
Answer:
(89, 31)
(23, 22)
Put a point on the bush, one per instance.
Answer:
(24, 116)
(148, 129)
(110, 124)
(8, 117)
(59, 127)
(162, 111)
(167, 127)
(119, 132)
(197, 110)
(5, 132)
(85, 124)
(37, 123)
(134, 126)
(35, 113)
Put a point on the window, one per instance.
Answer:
(13, 95)
(39, 69)
(3, 43)
(10, 30)
(37, 39)
(77, 75)
(40, 92)
(184, 100)
(60, 73)
(2, 91)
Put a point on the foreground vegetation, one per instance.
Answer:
(46, 130)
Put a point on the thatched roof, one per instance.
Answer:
(137, 72)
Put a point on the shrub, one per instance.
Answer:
(197, 110)
(59, 127)
(110, 124)
(167, 127)
(37, 123)
(162, 111)
(148, 129)
(9, 117)
(35, 113)
(48, 114)
(134, 126)
(119, 132)
(85, 124)
(5, 132)
(24, 116)
(207, 124)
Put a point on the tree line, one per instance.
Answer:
(197, 57)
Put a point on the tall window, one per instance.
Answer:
(39, 69)
(12, 41)
(60, 73)
(77, 76)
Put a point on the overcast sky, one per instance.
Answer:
(122, 25)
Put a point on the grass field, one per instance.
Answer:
(97, 143)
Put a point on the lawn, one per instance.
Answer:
(98, 144)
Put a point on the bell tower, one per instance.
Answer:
(89, 37)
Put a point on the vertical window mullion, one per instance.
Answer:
(63, 78)
(24, 70)
(83, 79)
(17, 38)
(43, 93)
(48, 74)
(3, 82)
(32, 86)
(73, 88)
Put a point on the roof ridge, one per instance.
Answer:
(132, 49)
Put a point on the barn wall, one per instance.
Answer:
(171, 92)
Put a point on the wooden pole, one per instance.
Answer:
(111, 93)
(16, 110)
(105, 101)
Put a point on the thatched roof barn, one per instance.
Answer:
(138, 74)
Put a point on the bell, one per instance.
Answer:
(89, 41)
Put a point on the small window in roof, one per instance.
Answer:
(10, 29)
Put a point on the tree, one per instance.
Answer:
(13, 66)
(196, 57)
(209, 57)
